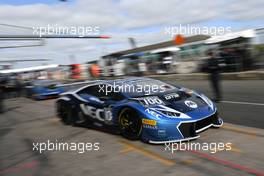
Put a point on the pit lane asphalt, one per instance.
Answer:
(243, 100)
(26, 121)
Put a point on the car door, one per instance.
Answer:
(92, 106)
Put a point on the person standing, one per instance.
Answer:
(2, 84)
(1, 100)
(214, 75)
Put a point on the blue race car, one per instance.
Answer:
(43, 89)
(140, 108)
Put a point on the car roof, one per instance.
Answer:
(83, 85)
(127, 80)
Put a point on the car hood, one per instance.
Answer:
(179, 104)
(182, 102)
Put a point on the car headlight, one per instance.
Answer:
(169, 112)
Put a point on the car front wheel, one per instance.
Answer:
(130, 124)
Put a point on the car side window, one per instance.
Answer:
(111, 95)
(91, 90)
(98, 92)
(117, 96)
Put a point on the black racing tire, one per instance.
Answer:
(69, 116)
(64, 111)
(130, 124)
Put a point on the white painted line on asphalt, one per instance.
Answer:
(244, 103)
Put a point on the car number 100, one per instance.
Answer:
(152, 101)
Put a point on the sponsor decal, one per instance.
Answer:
(190, 104)
(108, 115)
(99, 114)
(153, 113)
(150, 127)
(149, 122)
(162, 132)
(171, 96)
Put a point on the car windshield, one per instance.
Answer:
(146, 87)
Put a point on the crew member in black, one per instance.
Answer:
(214, 77)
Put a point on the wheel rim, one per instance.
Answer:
(129, 124)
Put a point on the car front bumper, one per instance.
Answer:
(182, 131)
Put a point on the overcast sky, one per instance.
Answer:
(144, 20)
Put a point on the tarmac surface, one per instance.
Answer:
(27, 123)
(243, 100)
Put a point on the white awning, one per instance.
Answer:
(29, 69)
(172, 49)
(229, 36)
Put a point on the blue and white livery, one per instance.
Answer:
(140, 108)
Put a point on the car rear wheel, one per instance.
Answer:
(130, 124)
(69, 116)
(65, 113)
